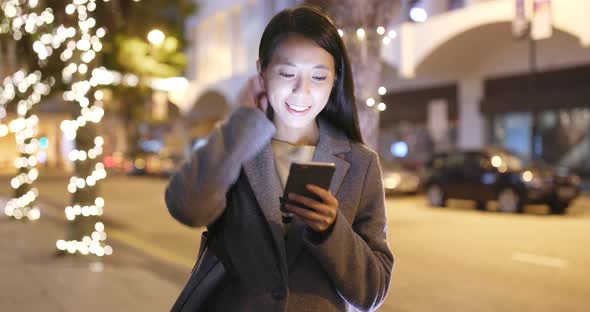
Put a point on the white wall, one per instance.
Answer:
(562, 50)
(416, 41)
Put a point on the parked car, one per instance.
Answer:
(155, 165)
(497, 174)
(117, 163)
(399, 180)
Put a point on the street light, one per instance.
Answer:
(418, 14)
(156, 36)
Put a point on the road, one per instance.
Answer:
(449, 259)
(460, 259)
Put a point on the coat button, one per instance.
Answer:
(278, 294)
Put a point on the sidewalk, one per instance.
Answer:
(34, 279)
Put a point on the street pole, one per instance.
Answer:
(535, 143)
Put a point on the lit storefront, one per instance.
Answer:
(560, 99)
(418, 123)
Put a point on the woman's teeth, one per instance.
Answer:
(298, 108)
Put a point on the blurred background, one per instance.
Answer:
(479, 110)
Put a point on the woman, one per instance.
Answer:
(299, 107)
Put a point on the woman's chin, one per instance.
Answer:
(300, 122)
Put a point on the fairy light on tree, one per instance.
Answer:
(86, 233)
(24, 90)
(363, 28)
(21, 17)
(383, 37)
(3, 129)
(77, 44)
(25, 17)
(4, 99)
(25, 128)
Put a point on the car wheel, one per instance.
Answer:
(436, 196)
(509, 201)
(558, 207)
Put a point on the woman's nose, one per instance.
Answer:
(302, 86)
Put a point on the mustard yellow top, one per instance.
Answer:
(285, 154)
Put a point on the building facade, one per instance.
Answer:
(462, 74)
(455, 73)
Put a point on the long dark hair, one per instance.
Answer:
(315, 24)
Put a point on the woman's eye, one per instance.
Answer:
(285, 75)
(319, 78)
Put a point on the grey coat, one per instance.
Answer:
(232, 179)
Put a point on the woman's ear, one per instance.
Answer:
(260, 74)
(258, 69)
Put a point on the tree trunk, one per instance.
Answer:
(364, 53)
(364, 56)
(82, 226)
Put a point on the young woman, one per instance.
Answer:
(300, 107)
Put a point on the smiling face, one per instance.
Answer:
(298, 82)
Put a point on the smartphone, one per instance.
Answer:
(303, 173)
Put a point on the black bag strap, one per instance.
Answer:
(208, 269)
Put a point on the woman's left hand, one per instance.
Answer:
(323, 214)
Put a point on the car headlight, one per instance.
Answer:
(527, 176)
(392, 181)
(140, 163)
(530, 179)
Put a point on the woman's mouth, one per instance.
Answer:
(297, 110)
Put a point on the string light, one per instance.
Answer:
(5, 97)
(25, 128)
(25, 90)
(82, 47)
(386, 38)
(97, 174)
(20, 18)
(19, 21)
(3, 130)
(92, 244)
(371, 101)
(360, 33)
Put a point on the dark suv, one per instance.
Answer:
(497, 174)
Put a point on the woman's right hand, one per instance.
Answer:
(253, 94)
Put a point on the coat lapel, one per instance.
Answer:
(332, 143)
(263, 179)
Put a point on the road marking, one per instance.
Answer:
(539, 260)
(152, 249)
